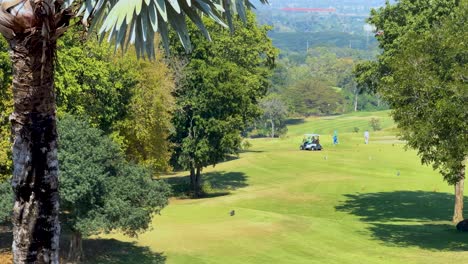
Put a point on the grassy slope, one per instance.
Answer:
(345, 204)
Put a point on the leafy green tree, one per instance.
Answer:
(92, 82)
(6, 202)
(224, 81)
(375, 124)
(32, 29)
(314, 97)
(146, 128)
(275, 112)
(422, 75)
(6, 107)
(129, 99)
(100, 191)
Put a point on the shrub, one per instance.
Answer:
(375, 124)
(206, 188)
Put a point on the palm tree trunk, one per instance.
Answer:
(36, 226)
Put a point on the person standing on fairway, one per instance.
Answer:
(366, 137)
(335, 138)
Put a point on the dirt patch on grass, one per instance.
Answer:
(6, 258)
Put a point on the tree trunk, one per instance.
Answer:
(195, 182)
(459, 187)
(195, 179)
(192, 179)
(458, 210)
(272, 128)
(36, 227)
(198, 190)
(75, 253)
(355, 101)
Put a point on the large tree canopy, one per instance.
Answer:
(422, 74)
(428, 90)
(100, 190)
(224, 81)
(91, 82)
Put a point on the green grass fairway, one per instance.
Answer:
(345, 204)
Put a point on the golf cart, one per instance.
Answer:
(311, 142)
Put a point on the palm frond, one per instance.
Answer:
(136, 21)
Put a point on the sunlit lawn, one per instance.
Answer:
(350, 203)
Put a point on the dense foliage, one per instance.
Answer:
(273, 121)
(6, 202)
(314, 97)
(100, 190)
(422, 75)
(145, 130)
(6, 108)
(224, 81)
(92, 82)
(127, 98)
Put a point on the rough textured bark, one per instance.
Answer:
(36, 226)
(75, 252)
(458, 210)
(31, 28)
(459, 187)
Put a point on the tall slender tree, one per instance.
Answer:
(32, 28)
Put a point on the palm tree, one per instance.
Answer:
(32, 27)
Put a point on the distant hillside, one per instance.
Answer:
(299, 41)
(342, 6)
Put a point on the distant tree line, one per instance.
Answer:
(320, 82)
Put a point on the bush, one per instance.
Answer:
(206, 188)
(6, 202)
(246, 145)
(375, 124)
(356, 129)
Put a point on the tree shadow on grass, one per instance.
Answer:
(6, 238)
(106, 251)
(221, 183)
(408, 218)
(226, 180)
(251, 151)
(294, 121)
(100, 251)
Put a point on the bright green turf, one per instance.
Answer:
(345, 204)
